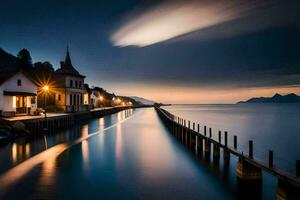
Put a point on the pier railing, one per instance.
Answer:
(248, 167)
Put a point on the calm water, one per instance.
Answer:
(128, 155)
(271, 126)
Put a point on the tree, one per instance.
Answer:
(25, 59)
(43, 72)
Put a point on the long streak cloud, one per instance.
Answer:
(171, 19)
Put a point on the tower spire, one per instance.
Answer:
(68, 61)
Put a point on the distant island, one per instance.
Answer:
(277, 98)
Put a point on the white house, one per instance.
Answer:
(69, 87)
(93, 100)
(17, 94)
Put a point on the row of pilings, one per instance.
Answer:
(248, 170)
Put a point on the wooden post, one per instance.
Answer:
(210, 134)
(226, 154)
(225, 138)
(270, 158)
(199, 145)
(204, 130)
(250, 148)
(193, 126)
(216, 153)
(189, 124)
(207, 148)
(235, 141)
(220, 137)
(298, 168)
(198, 128)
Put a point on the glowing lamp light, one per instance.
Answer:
(46, 88)
(101, 98)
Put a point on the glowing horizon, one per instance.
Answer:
(194, 95)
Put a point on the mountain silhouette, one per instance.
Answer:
(277, 98)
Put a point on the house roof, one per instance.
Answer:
(7, 74)
(67, 67)
(16, 93)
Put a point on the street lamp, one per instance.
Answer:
(45, 90)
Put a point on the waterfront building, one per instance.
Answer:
(69, 90)
(102, 97)
(17, 93)
(93, 100)
(89, 99)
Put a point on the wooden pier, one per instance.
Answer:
(249, 169)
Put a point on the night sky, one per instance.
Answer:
(170, 51)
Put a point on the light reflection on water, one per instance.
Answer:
(137, 159)
(85, 148)
(20, 151)
(16, 152)
(46, 180)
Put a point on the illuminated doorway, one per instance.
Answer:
(21, 104)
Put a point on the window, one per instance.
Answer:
(71, 83)
(76, 84)
(79, 84)
(74, 99)
(32, 100)
(19, 82)
(59, 97)
(71, 99)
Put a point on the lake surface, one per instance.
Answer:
(130, 155)
(271, 127)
